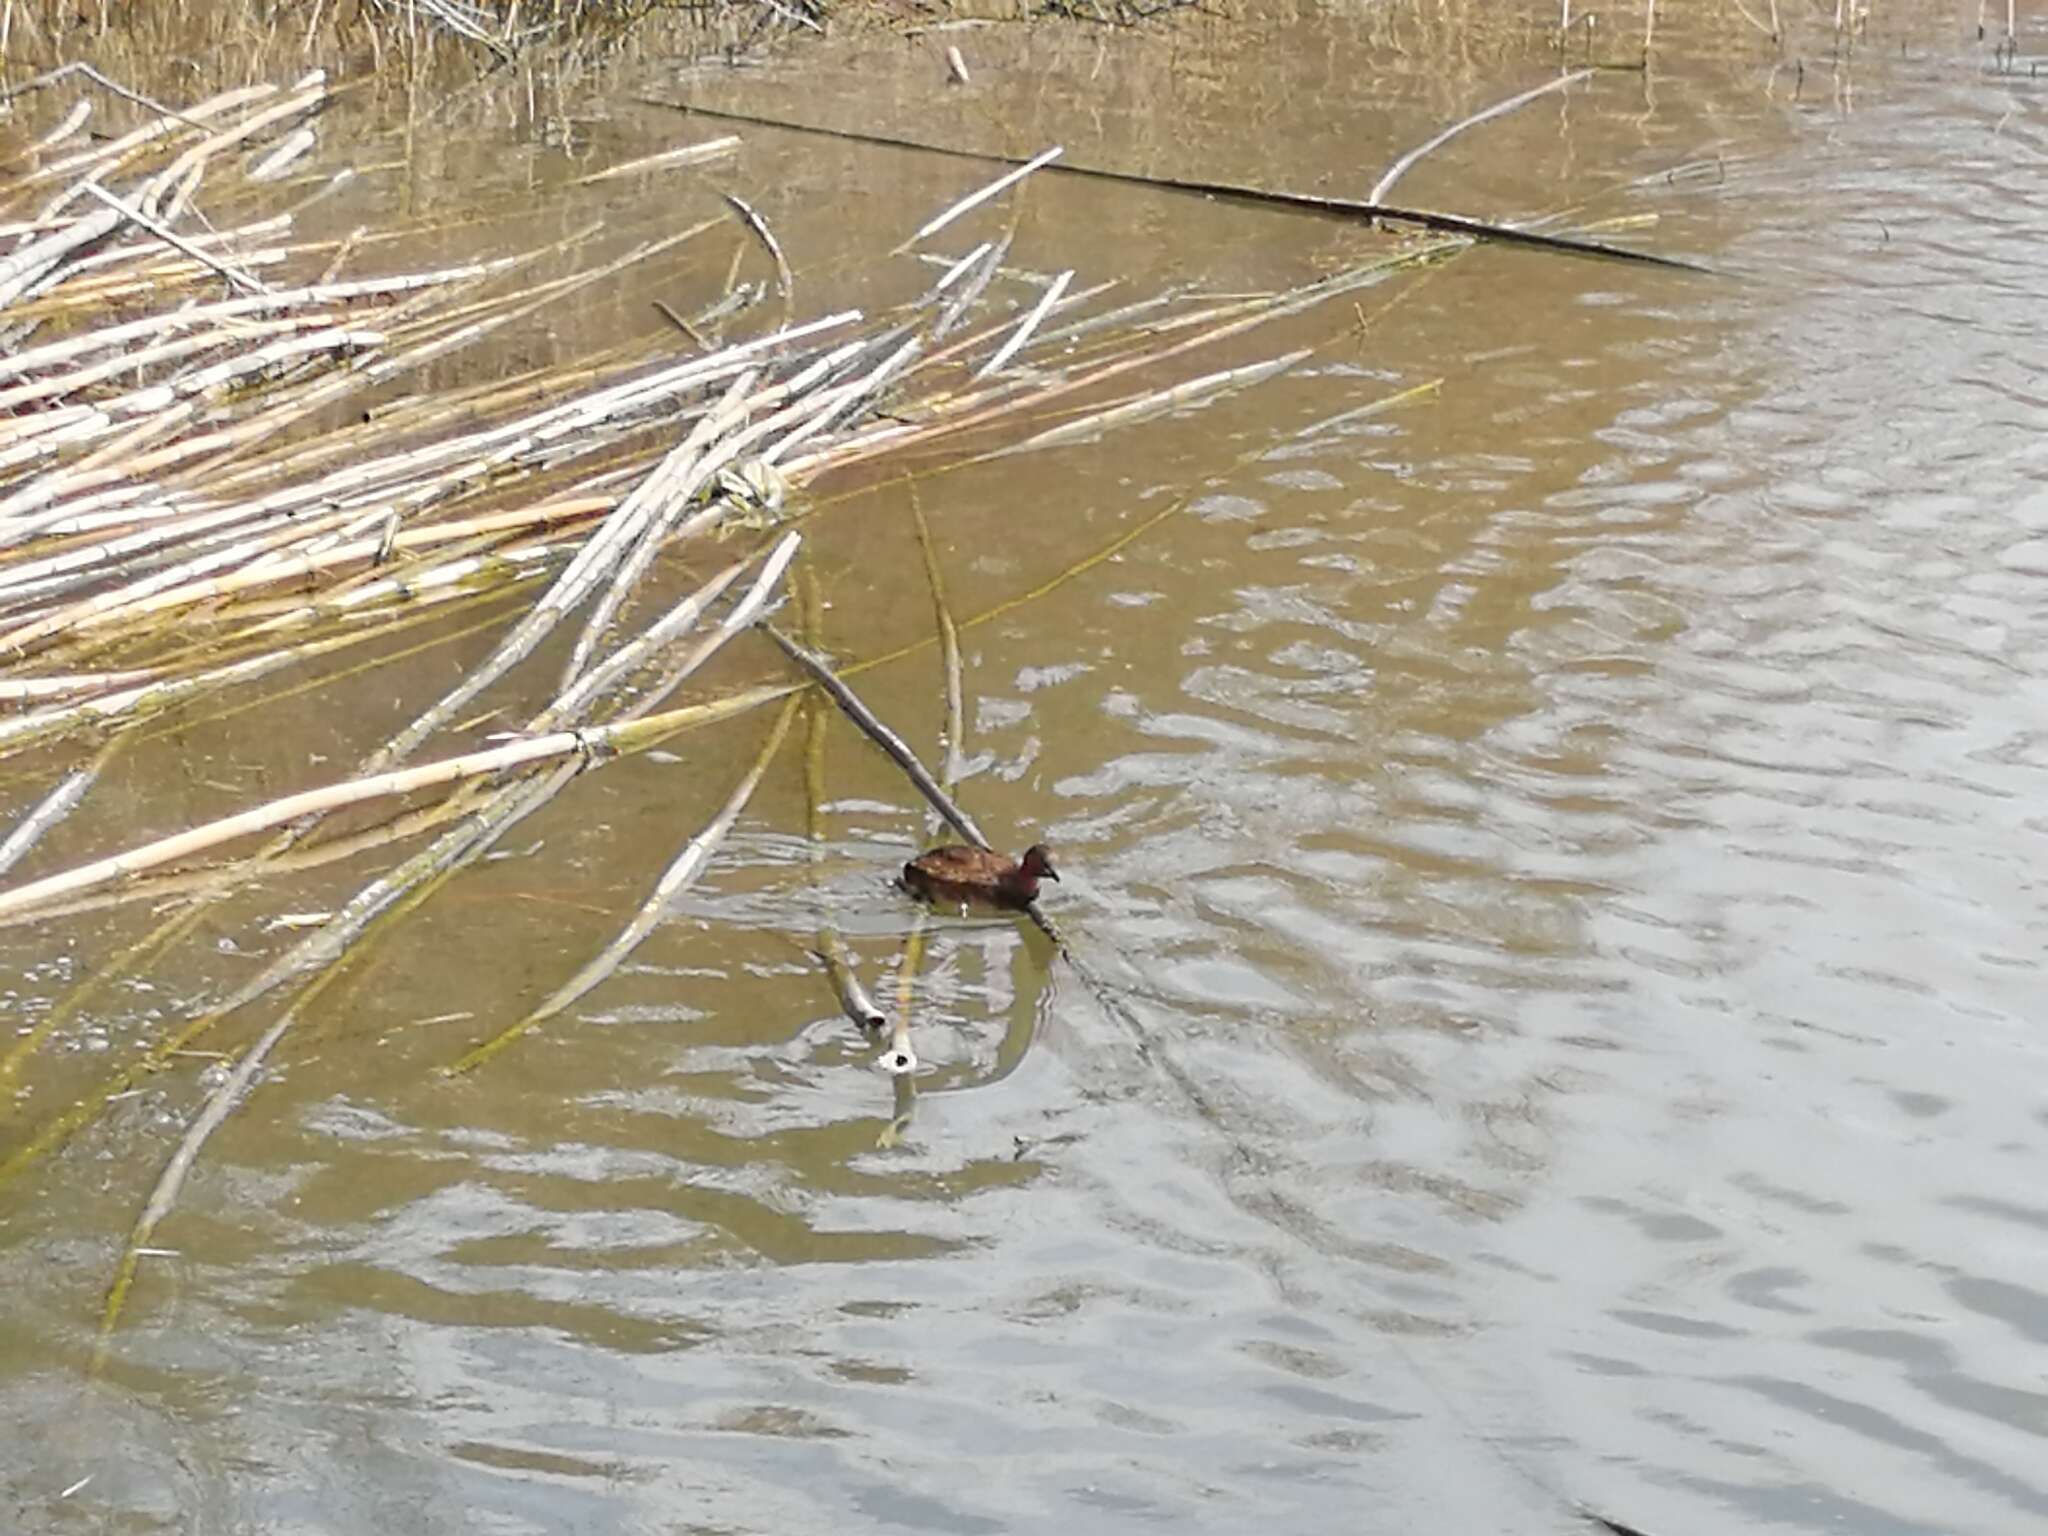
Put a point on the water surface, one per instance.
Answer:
(1559, 858)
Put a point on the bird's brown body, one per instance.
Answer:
(957, 873)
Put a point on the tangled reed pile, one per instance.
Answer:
(226, 454)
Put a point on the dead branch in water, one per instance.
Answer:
(897, 749)
(1366, 212)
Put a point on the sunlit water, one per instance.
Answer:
(1554, 871)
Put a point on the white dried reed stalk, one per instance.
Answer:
(975, 199)
(1027, 325)
(1499, 109)
(666, 160)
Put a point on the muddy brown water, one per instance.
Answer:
(1563, 860)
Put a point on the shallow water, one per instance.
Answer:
(1557, 861)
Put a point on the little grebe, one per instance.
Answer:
(959, 873)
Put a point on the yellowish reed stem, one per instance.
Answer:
(678, 877)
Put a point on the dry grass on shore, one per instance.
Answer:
(488, 32)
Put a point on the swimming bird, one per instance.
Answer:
(961, 874)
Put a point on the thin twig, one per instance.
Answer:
(785, 283)
(65, 71)
(882, 736)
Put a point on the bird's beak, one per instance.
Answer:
(1051, 873)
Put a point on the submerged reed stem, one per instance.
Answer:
(681, 873)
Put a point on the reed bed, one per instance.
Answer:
(169, 441)
(231, 450)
